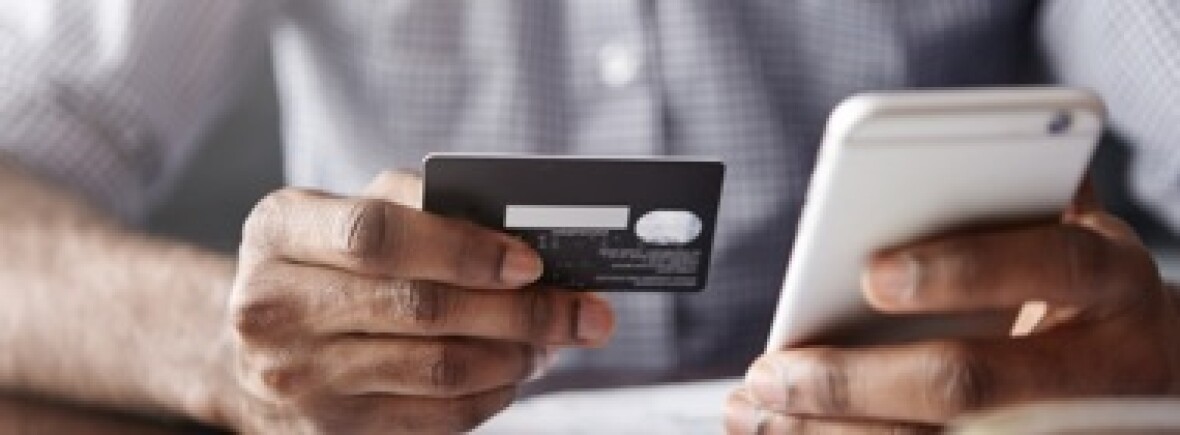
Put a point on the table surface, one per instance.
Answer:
(681, 408)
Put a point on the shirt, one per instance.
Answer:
(108, 96)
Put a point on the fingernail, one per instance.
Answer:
(892, 279)
(767, 383)
(594, 320)
(520, 266)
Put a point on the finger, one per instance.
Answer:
(380, 238)
(291, 302)
(383, 414)
(927, 383)
(1062, 265)
(400, 187)
(447, 367)
(743, 416)
(933, 382)
(1086, 200)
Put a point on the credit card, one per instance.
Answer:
(599, 223)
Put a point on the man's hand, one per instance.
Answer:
(365, 315)
(1110, 328)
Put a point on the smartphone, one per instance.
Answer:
(895, 167)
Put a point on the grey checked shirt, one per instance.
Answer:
(108, 96)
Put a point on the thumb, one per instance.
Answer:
(401, 187)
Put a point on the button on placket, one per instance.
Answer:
(619, 63)
(615, 109)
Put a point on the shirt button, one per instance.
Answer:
(618, 64)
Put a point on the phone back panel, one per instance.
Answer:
(897, 167)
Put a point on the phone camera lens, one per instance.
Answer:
(1060, 122)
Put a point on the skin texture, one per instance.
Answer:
(95, 314)
(1112, 328)
(365, 315)
(343, 314)
(331, 325)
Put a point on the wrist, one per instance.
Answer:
(210, 394)
(196, 354)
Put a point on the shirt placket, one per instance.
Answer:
(617, 111)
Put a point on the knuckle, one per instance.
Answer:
(261, 279)
(423, 302)
(366, 230)
(264, 319)
(282, 382)
(447, 369)
(958, 379)
(828, 384)
(263, 227)
(475, 254)
(470, 259)
(737, 404)
(536, 313)
(277, 377)
(260, 224)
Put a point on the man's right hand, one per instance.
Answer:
(363, 315)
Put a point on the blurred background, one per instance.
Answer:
(241, 160)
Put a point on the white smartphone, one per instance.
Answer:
(895, 167)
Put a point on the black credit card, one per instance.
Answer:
(599, 223)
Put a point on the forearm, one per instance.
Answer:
(90, 311)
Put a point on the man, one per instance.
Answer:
(348, 311)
